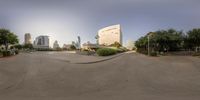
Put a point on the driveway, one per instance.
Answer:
(42, 76)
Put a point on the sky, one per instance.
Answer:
(64, 20)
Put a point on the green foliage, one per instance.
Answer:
(193, 38)
(142, 42)
(58, 49)
(6, 53)
(18, 46)
(106, 51)
(196, 54)
(16, 51)
(167, 40)
(162, 41)
(153, 54)
(134, 48)
(6, 38)
(119, 50)
(116, 44)
(44, 49)
(28, 46)
(72, 47)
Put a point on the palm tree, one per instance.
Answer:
(97, 38)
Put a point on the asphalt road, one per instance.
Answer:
(38, 76)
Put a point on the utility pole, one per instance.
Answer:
(148, 45)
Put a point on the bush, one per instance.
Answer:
(153, 54)
(106, 51)
(44, 49)
(196, 54)
(16, 51)
(6, 53)
(72, 47)
(134, 48)
(142, 50)
(119, 50)
(116, 44)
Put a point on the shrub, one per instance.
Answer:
(1, 53)
(196, 54)
(72, 47)
(116, 44)
(153, 54)
(106, 51)
(6, 53)
(16, 51)
(119, 50)
(134, 48)
(142, 50)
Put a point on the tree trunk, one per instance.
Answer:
(6, 47)
(196, 49)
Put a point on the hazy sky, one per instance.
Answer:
(64, 20)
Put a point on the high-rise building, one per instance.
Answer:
(42, 42)
(56, 45)
(27, 38)
(110, 35)
(79, 42)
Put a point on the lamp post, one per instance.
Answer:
(148, 36)
(148, 45)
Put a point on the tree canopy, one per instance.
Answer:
(194, 37)
(7, 37)
(116, 44)
(161, 40)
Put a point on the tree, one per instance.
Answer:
(141, 45)
(116, 44)
(97, 38)
(194, 38)
(167, 40)
(18, 46)
(28, 46)
(72, 47)
(161, 40)
(6, 38)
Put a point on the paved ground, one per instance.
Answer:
(42, 76)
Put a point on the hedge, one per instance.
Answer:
(106, 51)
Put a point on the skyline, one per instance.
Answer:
(64, 20)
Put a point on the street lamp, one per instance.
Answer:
(148, 36)
(148, 45)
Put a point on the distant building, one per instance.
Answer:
(79, 42)
(56, 45)
(89, 45)
(75, 44)
(110, 35)
(67, 46)
(130, 45)
(27, 38)
(42, 42)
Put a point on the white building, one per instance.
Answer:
(41, 42)
(27, 38)
(110, 35)
(56, 45)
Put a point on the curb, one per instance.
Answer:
(102, 60)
